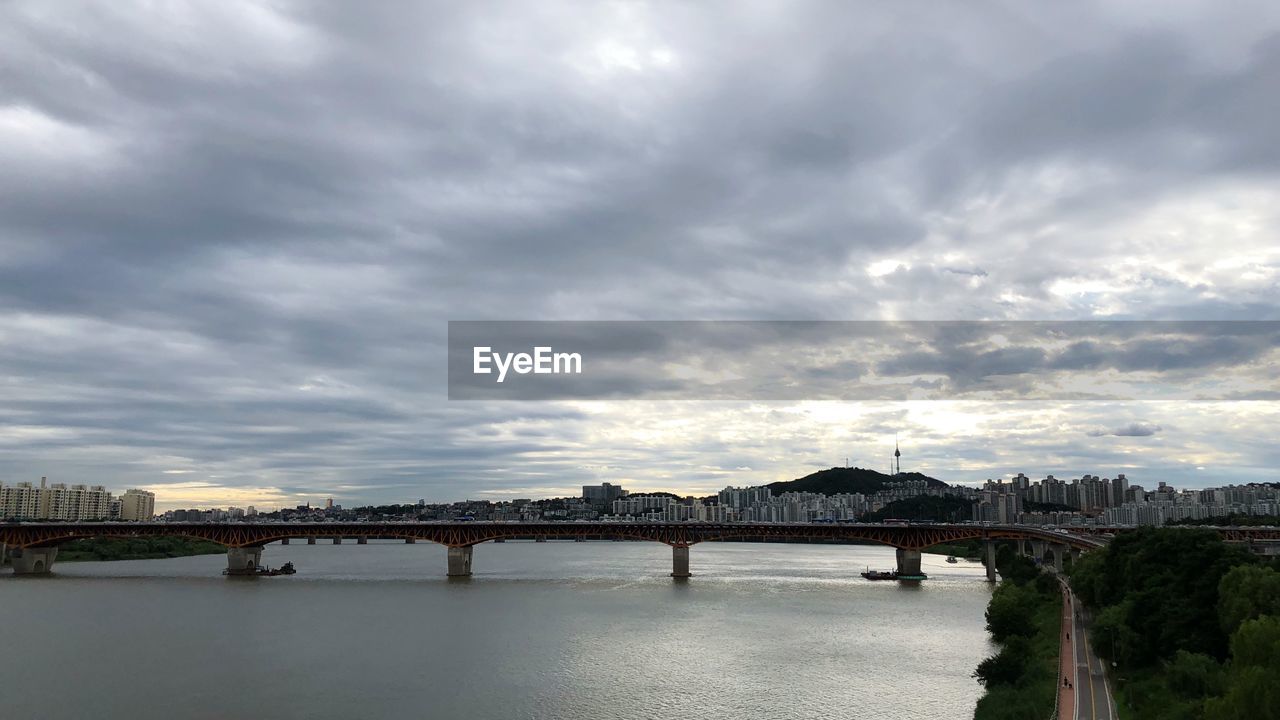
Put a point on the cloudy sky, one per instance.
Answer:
(232, 234)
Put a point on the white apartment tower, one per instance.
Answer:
(137, 505)
(55, 502)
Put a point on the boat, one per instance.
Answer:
(890, 575)
(264, 571)
(952, 559)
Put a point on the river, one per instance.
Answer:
(542, 631)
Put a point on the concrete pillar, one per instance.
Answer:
(337, 541)
(460, 561)
(1058, 552)
(284, 541)
(1037, 550)
(362, 540)
(540, 538)
(990, 560)
(680, 561)
(32, 561)
(311, 541)
(409, 541)
(908, 562)
(1075, 555)
(4, 554)
(243, 560)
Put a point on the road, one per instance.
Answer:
(1091, 699)
(1066, 657)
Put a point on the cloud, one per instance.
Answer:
(1134, 429)
(240, 246)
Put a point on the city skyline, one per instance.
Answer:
(227, 263)
(1010, 479)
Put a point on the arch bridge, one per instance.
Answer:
(33, 546)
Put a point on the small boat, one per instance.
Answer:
(952, 559)
(264, 571)
(880, 574)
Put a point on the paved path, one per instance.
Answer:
(1091, 693)
(1066, 658)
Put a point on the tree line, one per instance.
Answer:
(1192, 624)
(1023, 617)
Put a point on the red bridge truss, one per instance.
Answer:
(466, 534)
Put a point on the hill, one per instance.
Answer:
(847, 480)
(924, 507)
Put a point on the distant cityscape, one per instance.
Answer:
(59, 501)
(1084, 501)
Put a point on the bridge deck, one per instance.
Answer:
(463, 534)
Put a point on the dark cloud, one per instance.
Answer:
(1134, 429)
(231, 234)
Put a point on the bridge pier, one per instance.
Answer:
(908, 562)
(1058, 552)
(243, 560)
(362, 540)
(337, 541)
(680, 561)
(409, 541)
(460, 561)
(311, 541)
(1037, 551)
(284, 541)
(32, 561)
(989, 559)
(1075, 555)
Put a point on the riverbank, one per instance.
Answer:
(1024, 618)
(106, 549)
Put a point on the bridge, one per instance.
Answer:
(33, 547)
(1229, 533)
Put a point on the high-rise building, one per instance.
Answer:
(745, 497)
(602, 494)
(55, 502)
(137, 505)
(1119, 487)
(19, 501)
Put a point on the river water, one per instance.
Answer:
(542, 631)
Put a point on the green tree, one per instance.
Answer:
(1015, 568)
(1011, 612)
(1247, 592)
(1007, 666)
(1253, 692)
(1193, 675)
(1169, 578)
(1113, 638)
